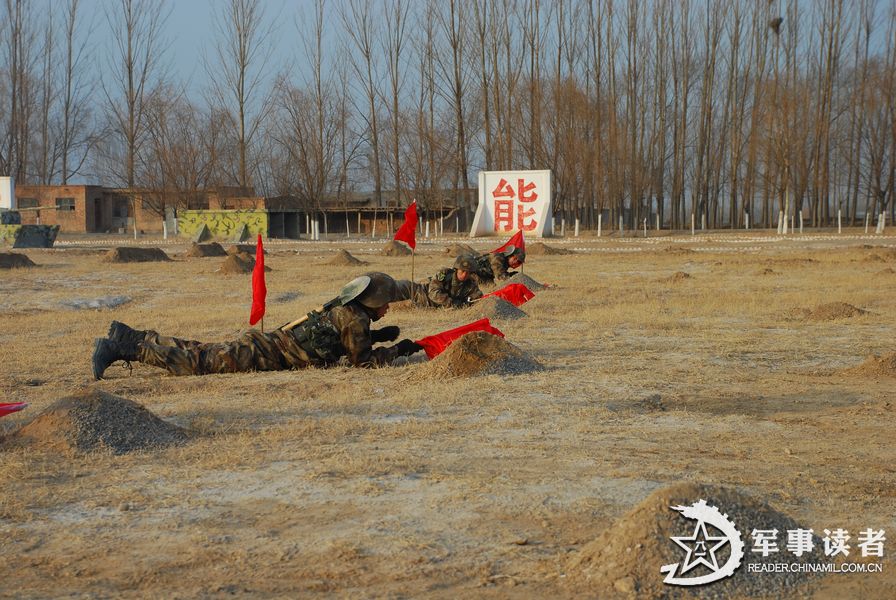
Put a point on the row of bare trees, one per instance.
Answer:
(721, 111)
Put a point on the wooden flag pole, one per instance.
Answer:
(413, 254)
(262, 324)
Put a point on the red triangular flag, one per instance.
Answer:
(515, 293)
(259, 289)
(406, 233)
(436, 344)
(515, 240)
(7, 408)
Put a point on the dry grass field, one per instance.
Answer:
(671, 359)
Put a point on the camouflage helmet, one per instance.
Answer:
(512, 250)
(465, 262)
(379, 292)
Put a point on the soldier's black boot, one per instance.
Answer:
(106, 352)
(119, 332)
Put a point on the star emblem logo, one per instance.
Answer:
(701, 548)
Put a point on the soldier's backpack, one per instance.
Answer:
(319, 338)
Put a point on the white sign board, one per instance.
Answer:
(511, 201)
(7, 193)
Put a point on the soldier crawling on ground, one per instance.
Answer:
(495, 266)
(451, 287)
(340, 328)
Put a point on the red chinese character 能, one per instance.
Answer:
(503, 215)
(521, 217)
(503, 190)
(523, 188)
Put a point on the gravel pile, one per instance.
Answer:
(627, 557)
(542, 249)
(395, 248)
(205, 250)
(127, 254)
(528, 282)
(500, 309)
(12, 260)
(345, 259)
(95, 421)
(480, 353)
(239, 264)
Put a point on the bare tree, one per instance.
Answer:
(241, 56)
(358, 23)
(396, 15)
(135, 69)
(76, 135)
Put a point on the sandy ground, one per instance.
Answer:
(363, 483)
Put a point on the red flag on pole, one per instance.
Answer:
(515, 240)
(259, 289)
(406, 233)
(7, 408)
(436, 344)
(515, 293)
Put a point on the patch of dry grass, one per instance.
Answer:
(374, 480)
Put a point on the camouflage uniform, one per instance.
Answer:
(492, 267)
(443, 289)
(322, 341)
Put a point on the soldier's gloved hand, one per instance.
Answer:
(407, 347)
(385, 334)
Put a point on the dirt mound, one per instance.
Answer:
(679, 250)
(126, 254)
(480, 353)
(11, 260)
(677, 277)
(395, 248)
(499, 308)
(627, 556)
(244, 249)
(456, 250)
(876, 366)
(238, 264)
(528, 282)
(204, 250)
(833, 311)
(887, 271)
(542, 249)
(344, 258)
(767, 271)
(95, 420)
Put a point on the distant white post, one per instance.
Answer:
(801, 222)
(658, 221)
(867, 220)
(577, 227)
(693, 229)
(563, 227)
(839, 221)
(746, 220)
(645, 226)
(600, 218)
(427, 230)
(621, 227)
(703, 222)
